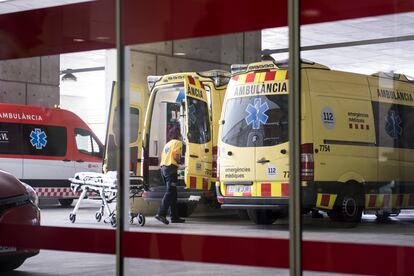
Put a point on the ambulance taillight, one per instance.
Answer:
(306, 162)
(214, 165)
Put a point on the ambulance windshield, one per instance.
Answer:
(256, 121)
(198, 121)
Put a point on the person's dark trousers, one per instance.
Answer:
(169, 175)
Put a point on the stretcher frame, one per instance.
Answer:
(105, 186)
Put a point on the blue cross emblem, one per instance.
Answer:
(257, 113)
(38, 138)
(393, 124)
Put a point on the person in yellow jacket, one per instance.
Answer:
(170, 161)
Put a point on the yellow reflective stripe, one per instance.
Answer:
(280, 75)
(275, 189)
(242, 79)
(394, 201)
(198, 83)
(259, 77)
(332, 198)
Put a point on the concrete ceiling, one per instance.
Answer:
(393, 55)
(9, 6)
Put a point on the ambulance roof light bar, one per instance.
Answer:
(393, 76)
(220, 77)
(238, 68)
(152, 80)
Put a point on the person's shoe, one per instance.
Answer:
(178, 220)
(162, 219)
(316, 214)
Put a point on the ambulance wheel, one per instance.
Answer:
(141, 219)
(349, 206)
(65, 202)
(186, 209)
(72, 217)
(98, 216)
(262, 217)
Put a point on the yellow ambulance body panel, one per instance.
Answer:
(357, 148)
(191, 101)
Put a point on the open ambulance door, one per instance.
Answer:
(137, 103)
(197, 136)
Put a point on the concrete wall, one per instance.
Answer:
(197, 54)
(30, 81)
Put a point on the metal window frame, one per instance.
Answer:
(295, 216)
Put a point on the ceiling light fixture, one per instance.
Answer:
(68, 74)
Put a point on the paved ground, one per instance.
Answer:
(398, 230)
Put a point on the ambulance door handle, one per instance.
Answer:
(193, 156)
(262, 161)
(206, 150)
(80, 161)
(66, 160)
(283, 151)
(229, 153)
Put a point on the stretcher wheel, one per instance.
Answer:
(141, 219)
(131, 219)
(113, 221)
(98, 216)
(72, 217)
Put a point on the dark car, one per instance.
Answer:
(18, 205)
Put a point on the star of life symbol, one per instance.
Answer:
(393, 124)
(257, 113)
(38, 138)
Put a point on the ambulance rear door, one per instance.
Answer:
(237, 152)
(136, 111)
(198, 138)
(267, 114)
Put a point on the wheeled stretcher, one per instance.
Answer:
(105, 186)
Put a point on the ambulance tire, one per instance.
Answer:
(262, 217)
(65, 202)
(10, 265)
(349, 206)
(186, 209)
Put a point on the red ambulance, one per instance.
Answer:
(43, 147)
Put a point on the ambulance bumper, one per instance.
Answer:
(183, 194)
(253, 202)
(275, 203)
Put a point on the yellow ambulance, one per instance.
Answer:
(192, 102)
(357, 142)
